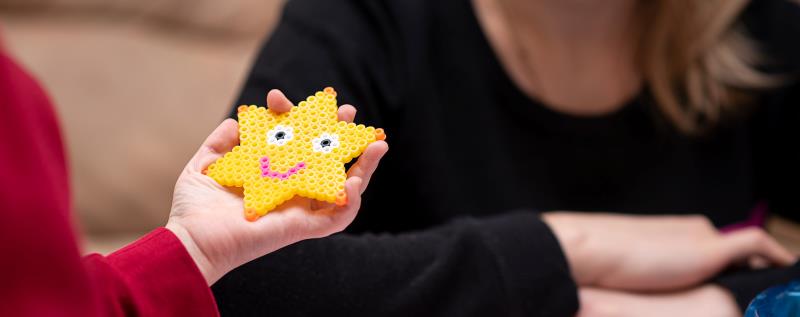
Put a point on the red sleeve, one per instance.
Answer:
(153, 276)
(41, 271)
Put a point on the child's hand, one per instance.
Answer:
(208, 218)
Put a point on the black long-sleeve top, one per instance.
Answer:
(448, 225)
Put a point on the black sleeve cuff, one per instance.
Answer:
(746, 284)
(532, 264)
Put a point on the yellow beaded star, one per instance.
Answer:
(299, 152)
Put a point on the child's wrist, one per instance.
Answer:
(203, 263)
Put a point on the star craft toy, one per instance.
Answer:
(300, 152)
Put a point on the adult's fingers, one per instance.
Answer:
(368, 162)
(745, 243)
(220, 141)
(757, 262)
(347, 113)
(277, 101)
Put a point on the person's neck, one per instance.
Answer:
(578, 56)
(573, 23)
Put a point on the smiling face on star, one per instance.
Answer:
(304, 140)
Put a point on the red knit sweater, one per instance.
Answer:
(41, 270)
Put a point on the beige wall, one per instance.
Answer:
(138, 85)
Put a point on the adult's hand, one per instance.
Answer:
(705, 301)
(653, 253)
(208, 218)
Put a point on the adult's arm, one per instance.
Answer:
(508, 265)
(41, 268)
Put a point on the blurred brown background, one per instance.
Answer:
(138, 85)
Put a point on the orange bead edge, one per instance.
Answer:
(330, 91)
(341, 199)
(250, 214)
(380, 135)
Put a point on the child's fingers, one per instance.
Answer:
(220, 141)
(347, 113)
(327, 221)
(277, 101)
(347, 213)
(368, 162)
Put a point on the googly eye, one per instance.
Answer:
(279, 135)
(325, 143)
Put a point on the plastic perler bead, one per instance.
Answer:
(300, 152)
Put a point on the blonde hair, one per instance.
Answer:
(698, 60)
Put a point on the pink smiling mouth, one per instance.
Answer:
(266, 172)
